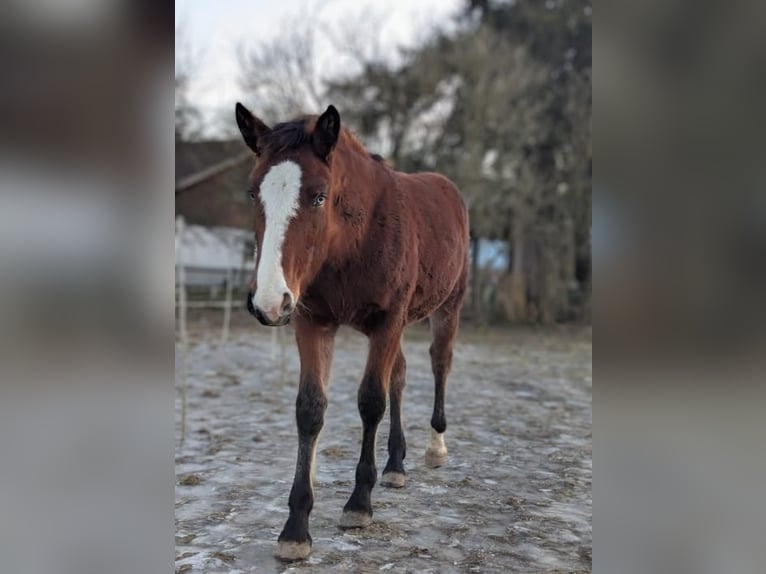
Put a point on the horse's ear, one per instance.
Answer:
(251, 127)
(325, 134)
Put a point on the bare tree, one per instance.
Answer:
(501, 104)
(187, 116)
(281, 76)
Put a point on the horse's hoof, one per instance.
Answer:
(393, 479)
(436, 458)
(355, 519)
(289, 550)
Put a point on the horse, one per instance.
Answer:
(344, 239)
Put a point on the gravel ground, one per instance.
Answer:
(514, 496)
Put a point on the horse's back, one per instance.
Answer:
(437, 204)
(440, 218)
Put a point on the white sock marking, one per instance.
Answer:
(436, 442)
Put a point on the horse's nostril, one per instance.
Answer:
(249, 303)
(287, 303)
(262, 319)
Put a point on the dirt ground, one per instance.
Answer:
(515, 495)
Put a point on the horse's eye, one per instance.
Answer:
(251, 195)
(319, 199)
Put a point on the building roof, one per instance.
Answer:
(193, 158)
(211, 183)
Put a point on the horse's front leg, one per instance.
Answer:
(315, 345)
(384, 347)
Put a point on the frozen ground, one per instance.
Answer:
(515, 495)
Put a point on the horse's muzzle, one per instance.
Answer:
(284, 318)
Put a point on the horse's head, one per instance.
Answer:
(291, 192)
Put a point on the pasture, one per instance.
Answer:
(515, 494)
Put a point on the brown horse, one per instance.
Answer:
(343, 239)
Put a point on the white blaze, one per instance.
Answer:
(279, 193)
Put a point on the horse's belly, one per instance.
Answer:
(435, 285)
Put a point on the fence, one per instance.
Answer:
(204, 281)
(225, 289)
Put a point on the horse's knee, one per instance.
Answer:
(310, 407)
(400, 367)
(441, 354)
(372, 401)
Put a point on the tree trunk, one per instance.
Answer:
(518, 283)
(475, 296)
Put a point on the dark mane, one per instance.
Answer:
(286, 136)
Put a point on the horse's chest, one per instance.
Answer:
(354, 297)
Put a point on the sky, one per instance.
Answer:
(209, 34)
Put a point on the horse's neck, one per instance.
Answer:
(359, 197)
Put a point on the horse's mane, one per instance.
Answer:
(348, 139)
(292, 135)
(286, 136)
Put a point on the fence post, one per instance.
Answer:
(182, 320)
(282, 357)
(227, 307)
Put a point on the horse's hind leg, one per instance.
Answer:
(393, 474)
(444, 323)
